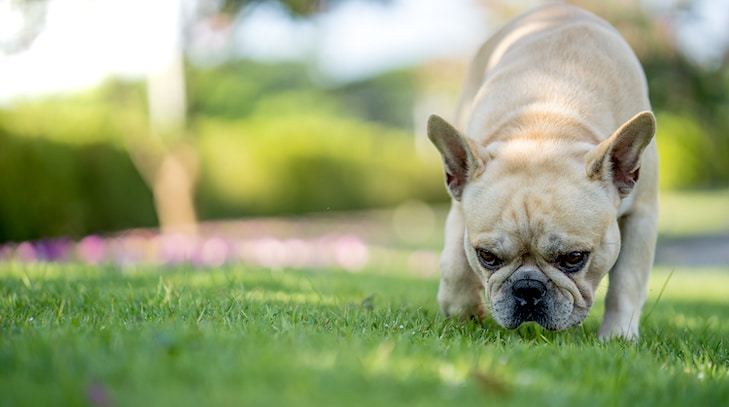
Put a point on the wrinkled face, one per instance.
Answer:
(541, 236)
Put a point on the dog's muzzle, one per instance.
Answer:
(529, 296)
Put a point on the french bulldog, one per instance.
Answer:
(551, 165)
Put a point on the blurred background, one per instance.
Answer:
(254, 128)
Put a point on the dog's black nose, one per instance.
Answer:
(528, 292)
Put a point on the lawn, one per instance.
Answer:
(150, 335)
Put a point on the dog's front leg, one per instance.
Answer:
(628, 282)
(461, 291)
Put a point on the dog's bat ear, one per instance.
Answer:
(618, 158)
(459, 161)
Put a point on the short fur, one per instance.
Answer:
(555, 157)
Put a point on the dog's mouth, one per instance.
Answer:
(533, 314)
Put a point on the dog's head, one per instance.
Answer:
(540, 212)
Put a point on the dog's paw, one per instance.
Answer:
(616, 325)
(464, 311)
(462, 301)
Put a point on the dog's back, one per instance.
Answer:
(524, 64)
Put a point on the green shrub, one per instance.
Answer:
(304, 163)
(53, 189)
(64, 169)
(691, 154)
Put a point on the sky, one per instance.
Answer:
(361, 38)
(85, 41)
(705, 35)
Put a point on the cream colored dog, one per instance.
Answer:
(555, 129)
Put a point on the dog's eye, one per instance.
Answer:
(572, 262)
(488, 259)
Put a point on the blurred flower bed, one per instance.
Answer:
(345, 251)
(352, 242)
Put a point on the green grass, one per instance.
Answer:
(77, 335)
